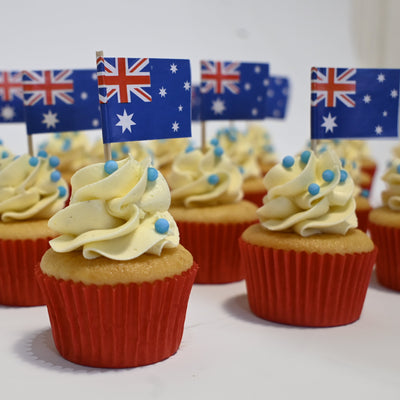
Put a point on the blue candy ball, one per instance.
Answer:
(54, 161)
(328, 175)
(66, 145)
(305, 156)
(125, 149)
(33, 161)
(55, 176)
(365, 193)
(152, 174)
(288, 161)
(313, 189)
(110, 167)
(62, 191)
(4, 154)
(189, 149)
(214, 142)
(343, 175)
(213, 179)
(218, 151)
(398, 169)
(162, 225)
(42, 153)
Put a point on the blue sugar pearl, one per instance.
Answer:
(57, 135)
(214, 142)
(1, 142)
(125, 149)
(343, 175)
(4, 154)
(268, 148)
(218, 151)
(328, 175)
(33, 161)
(241, 169)
(398, 169)
(55, 176)
(288, 162)
(162, 225)
(343, 162)
(313, 189)
(354, 164)
(42, 153)
(62, 191)
(305, 156)
(189, 149)
(365, 193)
(54, 161)
(110, 167)
(114, 154)
(66, 145)
(152, 174)
(323, 149)
(213, 179)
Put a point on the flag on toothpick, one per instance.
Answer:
(144, 98)
(233, 90)
(60, 100)
(11, 97)
(277, 97)
(354, 103)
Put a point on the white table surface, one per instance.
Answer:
(226, 352)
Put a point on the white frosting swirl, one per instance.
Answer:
(114, 215)
(164, 151)
(208, 179)
(289, 205)
(391, 196)
(28, 191)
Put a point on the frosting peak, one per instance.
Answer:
(309, 195)
(116, 215)
(391, 196)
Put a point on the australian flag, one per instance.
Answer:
(354, 103)
(144, 98)
(233, 90)
(277, 97)
(60, 100)
(196, 101)
(11, 97)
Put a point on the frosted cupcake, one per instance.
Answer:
(206, 191)
(305, 262)
(384, 226)
(116, 280)
(31, 191)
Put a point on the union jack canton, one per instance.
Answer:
(233, 90)
(354, 103)
(11, 95)
(144, 98)
(60, 100)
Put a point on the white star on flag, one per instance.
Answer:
(367, 99)
(257, 69)
(393, 93)
(378, 130)
(8, 113)
(385, 113)
(218, 106)
(175, 126)
(329, 123)
(186, 85)
(247, 86)
(50, 119)
(173, 68)
(84, 96)
(125, 121)
(254, 111)
(381, 78)
(162, 92)
(180, 108)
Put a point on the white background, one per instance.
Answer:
(226, 351)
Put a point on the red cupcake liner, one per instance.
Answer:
(370, 171)
(117, 326)
(214, 247)
(18, 285)
(387, 239)
(255, 197)
(362, 217)
(306, 289)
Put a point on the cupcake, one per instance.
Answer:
(117, 281)
(206, 192)
(306, 263)
(240, 150)
(31, 191)
(72, 148)
(384, 226)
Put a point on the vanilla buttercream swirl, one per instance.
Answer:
(30, 188)
(115, 215)
(209, 179)
(305, 199)
(164, 151)
(391, 196)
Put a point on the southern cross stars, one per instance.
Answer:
(218, 106)
(329, 123)
(125, 121)
(50, 119)
(173, 68)
(175, 126)
(162, 92)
